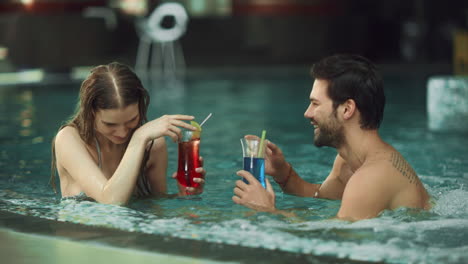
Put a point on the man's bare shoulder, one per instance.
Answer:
(374, 173)
(367, 193)
(391, 174)
(385, 172)
(402, 166)
(384, 181)
(390, 163)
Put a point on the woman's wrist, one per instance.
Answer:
(137, 139)
(138, 136)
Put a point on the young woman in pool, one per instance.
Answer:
(108, 151)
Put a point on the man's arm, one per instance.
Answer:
(331, 188)
(295, 185)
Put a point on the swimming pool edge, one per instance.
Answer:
(154, 243)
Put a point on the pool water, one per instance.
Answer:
(246, 102)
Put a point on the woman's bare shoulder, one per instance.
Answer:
(158, 152)
(158, 145)
(66, 134)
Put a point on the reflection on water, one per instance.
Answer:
(401, 236)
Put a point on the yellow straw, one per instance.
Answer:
(262, 143)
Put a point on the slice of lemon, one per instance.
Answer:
(196, 133)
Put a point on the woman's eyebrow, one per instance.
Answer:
(133, 118)
(107, 123)
(110, 123)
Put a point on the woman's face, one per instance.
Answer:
(117, 125)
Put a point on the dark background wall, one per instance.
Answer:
(56, 35)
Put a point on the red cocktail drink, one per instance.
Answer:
(188, 160)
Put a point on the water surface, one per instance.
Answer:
(246, 104)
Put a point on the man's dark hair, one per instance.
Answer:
(353, 77)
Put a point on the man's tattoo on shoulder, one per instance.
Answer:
(403, 167)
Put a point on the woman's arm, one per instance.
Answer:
(72, 154)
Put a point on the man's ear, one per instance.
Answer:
(349, 107)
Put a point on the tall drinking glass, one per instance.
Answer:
(254, 161)
(189, 159)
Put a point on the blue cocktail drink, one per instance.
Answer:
(256, 166)
(253, 150)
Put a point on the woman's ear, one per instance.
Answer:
(349, 107)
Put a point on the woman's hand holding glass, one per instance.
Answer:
(183, 191)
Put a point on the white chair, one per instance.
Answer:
(166, 58)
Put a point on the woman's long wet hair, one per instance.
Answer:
(111, 86)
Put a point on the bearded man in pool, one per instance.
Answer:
(369, 175)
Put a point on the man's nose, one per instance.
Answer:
(308, 113)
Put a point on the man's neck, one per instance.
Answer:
(357, 146)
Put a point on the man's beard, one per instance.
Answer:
(330, 134)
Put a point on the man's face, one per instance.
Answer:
(328, 129)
